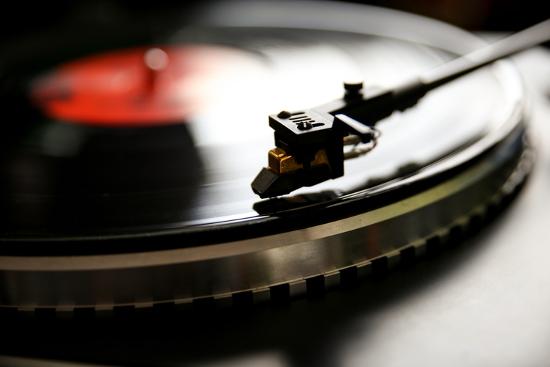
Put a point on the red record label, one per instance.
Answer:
(144, 86)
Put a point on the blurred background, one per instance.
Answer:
(19, 18)
(492, 15)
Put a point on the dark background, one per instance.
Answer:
(20, 18)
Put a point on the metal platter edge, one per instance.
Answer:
(271, 266)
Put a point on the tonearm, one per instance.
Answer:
(310, 143)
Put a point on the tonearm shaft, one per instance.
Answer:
(310, 143)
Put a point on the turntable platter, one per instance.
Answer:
(135, 172)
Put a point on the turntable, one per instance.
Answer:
(126, 174)
(126, 164)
